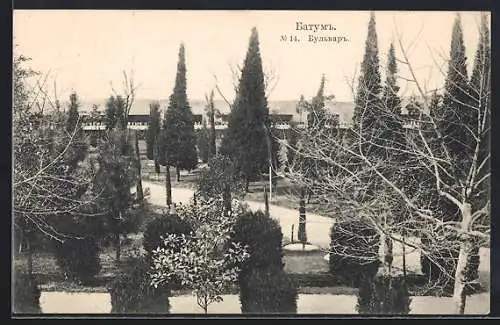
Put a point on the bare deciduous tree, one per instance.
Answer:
(412, 187)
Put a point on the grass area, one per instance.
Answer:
(337, 290)
(305, 263)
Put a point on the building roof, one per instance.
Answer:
(287, 109)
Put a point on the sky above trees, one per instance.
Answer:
(85, 50)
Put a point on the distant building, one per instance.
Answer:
(282, 114)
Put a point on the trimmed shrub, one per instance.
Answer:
(264, 238)
(165, 224)
(131, 291)
(268, 291)
(383, 295)
(26, 298)
(79, 258)
(354, 252)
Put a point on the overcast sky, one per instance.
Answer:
(85, 50)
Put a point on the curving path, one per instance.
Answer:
(318, 227)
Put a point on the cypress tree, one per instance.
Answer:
(367, 101)
(73, 115)
(453, 114)
(246, 138)
(316, 111)
(179, 143)
(153, 130)
(77, 152)
(210, 108)
(110, 113)
(391, 114)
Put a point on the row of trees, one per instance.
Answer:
(248, 140)
(429, 181)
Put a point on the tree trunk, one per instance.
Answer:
(178, 172)
(247, 184)
(118, 249)
(168, 186)
(301, 233)
(20, 239)
(459, 297)
(385, 254)
(140, 192)
(30, 254)
(404, 255)
(266, 201)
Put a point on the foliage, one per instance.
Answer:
(268, 290)
(201, 264)
(203, 137)
(221, 173)
(26, 293)
(158, 227)
(131, 291)
(78, 258)
(210, 110)
(179, 138)
(73, 115)
(263, 237)
(367, 97)
(246, 137)
(383, 295)
(116, 174)
(115, 113)
(115, 177)
(353, 251)
(154, 128)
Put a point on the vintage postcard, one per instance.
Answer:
(251, 162)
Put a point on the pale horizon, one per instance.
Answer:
(83, 50)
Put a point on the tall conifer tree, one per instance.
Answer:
(179, 145)
(246, 138)
(367, 102)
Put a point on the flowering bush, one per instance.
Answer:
(201, 264)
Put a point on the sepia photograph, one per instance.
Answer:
(251, 162)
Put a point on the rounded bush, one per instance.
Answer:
(353, 252)
(383, 295)
(160, 226)
(26, 298)
(79, 258)
(268, 291)
(131, 291)
(264, 238)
